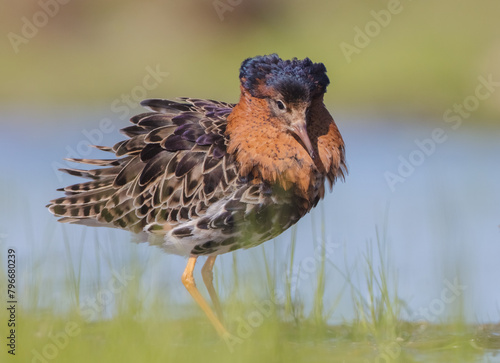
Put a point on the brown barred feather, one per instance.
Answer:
(199, 173)
(156, 169)
(202, 177)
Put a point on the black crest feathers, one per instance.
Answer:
(303, 78)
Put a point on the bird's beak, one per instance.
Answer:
(299, 128)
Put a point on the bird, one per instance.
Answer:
(199, 177)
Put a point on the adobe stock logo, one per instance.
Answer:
(223, 6)
(90, 309)
(31, 26)
(363, 36)
(454, 116)
(121, 106)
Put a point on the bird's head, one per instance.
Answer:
(280, 131)
(288, 88)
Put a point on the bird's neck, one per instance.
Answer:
(265, 151)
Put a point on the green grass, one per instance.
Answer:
(266, 314)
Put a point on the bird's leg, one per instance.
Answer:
(188, 281)
(208, 278)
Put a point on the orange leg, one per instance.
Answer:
(208, 278)
(188, 281)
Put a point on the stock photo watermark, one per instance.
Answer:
(122, 106)
(11, 301)
(389, 352)
(453, 117)
(89, 311)
(223, 6)
(436, 308)
(452, 290)
(309, 265)
(30, 26)
(363, 36)
(303, 270)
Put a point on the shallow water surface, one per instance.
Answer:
(439, 223)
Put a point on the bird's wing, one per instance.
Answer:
(170, 169)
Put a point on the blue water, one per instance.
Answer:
(440, 227)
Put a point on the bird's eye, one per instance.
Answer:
(280, 105)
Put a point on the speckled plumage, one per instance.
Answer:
(201, 177)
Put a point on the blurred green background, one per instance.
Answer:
(427, 57)
(66, 64)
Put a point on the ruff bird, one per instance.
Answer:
(201, 178)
